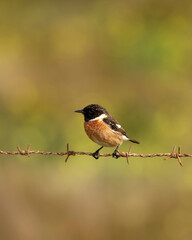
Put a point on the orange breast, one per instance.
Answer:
(101, 133)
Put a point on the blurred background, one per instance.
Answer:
(135, 59)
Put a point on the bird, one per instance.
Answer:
(103, 129)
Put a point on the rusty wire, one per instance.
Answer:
(177, 155)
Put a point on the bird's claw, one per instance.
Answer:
(115, 154)
(96, 155)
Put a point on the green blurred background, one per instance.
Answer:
(135, 59)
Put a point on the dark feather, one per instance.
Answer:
(114, 126)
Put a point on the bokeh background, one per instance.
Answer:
(134, 58)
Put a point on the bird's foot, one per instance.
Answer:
(96, 155)
(115, 154)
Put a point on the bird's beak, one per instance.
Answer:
(79, 111)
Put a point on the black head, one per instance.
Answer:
(92, 111)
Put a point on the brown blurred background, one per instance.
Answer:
(135, 59)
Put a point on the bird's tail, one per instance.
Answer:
(132, 140)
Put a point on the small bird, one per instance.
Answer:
(103, 129)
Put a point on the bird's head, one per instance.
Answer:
(93, 111)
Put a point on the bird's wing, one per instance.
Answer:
(114, 125)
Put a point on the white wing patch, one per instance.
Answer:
(118, 125)
(125, 138)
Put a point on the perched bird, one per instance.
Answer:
(103, 129)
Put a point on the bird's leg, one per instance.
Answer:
(115, 154)
(96, 154)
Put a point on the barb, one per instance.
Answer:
(69, 153)
(176, 155)
(127, 154)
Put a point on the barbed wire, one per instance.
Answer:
(177, 155)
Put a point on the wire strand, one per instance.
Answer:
(177, 155)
